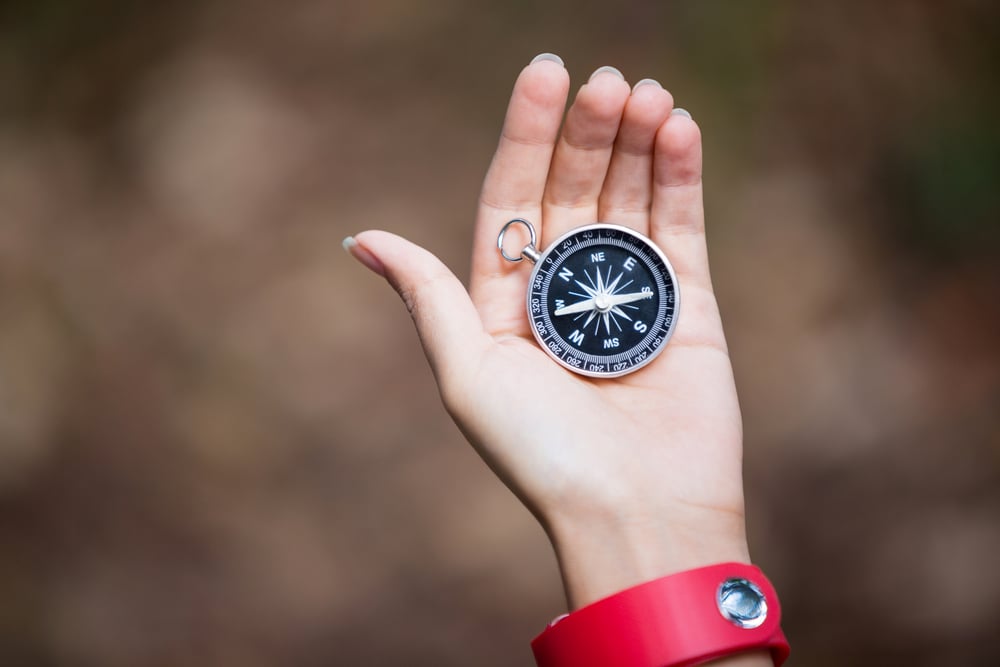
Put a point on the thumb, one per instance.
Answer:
(448, 324)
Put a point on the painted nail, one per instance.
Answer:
(547, 56)
(646, 82)
(680, 112)
(609, 70)
(363, 256)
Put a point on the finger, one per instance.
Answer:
(582, 155)
(628, 187)
(514, 186)
(448, 325)
(677, 218)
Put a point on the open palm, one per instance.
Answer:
(642, 470)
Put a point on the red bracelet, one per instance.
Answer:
(680, 620)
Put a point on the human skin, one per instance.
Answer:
(632, 478)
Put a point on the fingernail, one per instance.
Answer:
(363, 256)
(547, 56)
(646, 82)
(609, 70)
(680, 112)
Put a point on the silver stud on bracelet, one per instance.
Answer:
(742, 603)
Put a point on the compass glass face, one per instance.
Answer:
(602, 300)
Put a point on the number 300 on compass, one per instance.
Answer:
(603, 300)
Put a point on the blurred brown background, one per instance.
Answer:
(219, 443)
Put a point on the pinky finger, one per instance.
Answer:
(677, 217)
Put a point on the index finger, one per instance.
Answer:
(514, 186)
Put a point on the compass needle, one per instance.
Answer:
(577, 307)
(622, 299)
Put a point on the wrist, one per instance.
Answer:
(599, 556)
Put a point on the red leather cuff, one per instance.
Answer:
(683, 619)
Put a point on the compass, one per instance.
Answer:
(602, 299)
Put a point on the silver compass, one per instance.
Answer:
(602, 299)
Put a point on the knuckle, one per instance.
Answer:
(415, 294)
(409, 298)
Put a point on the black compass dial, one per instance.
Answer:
(603, 300)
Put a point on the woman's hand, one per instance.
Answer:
(635, 477)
